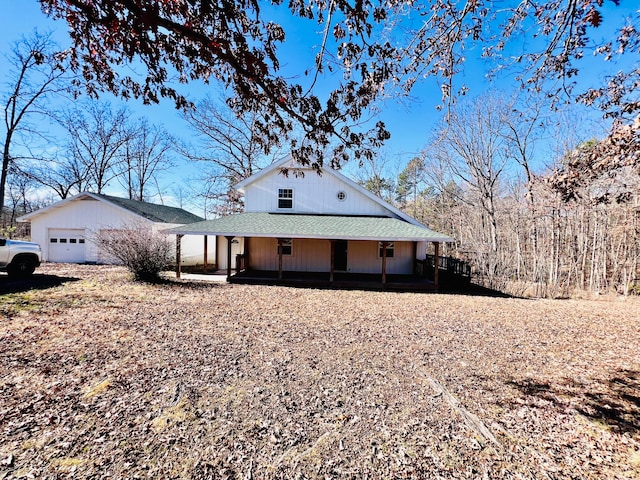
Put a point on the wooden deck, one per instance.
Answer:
(341, 281)
(453, 275)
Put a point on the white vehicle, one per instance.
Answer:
(18, 258)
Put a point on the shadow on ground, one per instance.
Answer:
(613, 401)
(472, 289)
(34, 282)
(189, 283)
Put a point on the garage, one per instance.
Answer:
(65, 230)
(66, 245)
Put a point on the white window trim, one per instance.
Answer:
(281, 197)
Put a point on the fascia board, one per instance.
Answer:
(375, 198)
(43, 211)
(61, 203)
(242, 184)
(176, 231)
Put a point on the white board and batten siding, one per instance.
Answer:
(83, 218)
(237, 247)
(312, 194)
(78, 221)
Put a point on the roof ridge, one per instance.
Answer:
(152, 211)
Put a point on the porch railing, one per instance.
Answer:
(450, 269)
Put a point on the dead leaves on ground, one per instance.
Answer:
(104, 377)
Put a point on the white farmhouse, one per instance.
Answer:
(66, 228)
(304, 224)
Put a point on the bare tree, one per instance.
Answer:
(597, 187)
(97, 136)
(146, 154)
(472, 146)
(65, 176)
(34, 76)
(523, 127)
(19, 200)
(232, 147)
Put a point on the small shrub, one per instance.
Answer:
(144, 252)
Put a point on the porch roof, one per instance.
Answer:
(278, 225)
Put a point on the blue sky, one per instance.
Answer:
(406, 118)
(410, 121)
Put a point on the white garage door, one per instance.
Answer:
(66, 246)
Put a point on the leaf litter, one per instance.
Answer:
(104, 377)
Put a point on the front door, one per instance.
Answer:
(340, 256)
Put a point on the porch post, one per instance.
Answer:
(217, 262)
(178, 254)
(384, 261)
(436, 254)
(246, 252)
(279, 259)
(229, 239)
(206, 252)
(333, 259)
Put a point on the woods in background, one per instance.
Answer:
(574, 226)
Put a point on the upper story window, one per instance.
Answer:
(285, 198)
(390, 249)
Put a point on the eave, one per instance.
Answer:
(277, 225)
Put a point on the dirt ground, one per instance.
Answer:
(103, 377)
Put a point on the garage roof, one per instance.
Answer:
(278, 225)
(150, 211)
(154, 212)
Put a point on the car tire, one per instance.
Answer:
(21, 267)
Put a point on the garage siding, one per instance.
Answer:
(75, 220)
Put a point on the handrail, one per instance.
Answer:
(449, 264)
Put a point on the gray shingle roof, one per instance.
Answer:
(154, 212)
(277, 225)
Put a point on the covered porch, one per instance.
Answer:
(339, 280)
(321, 250)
